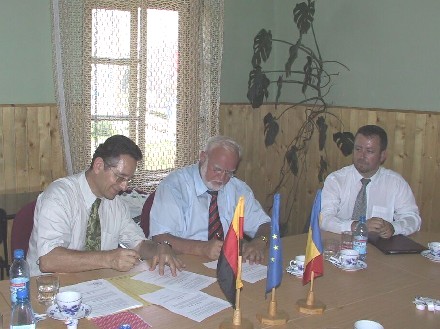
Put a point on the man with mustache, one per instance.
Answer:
(391, 208)
(80, 220)
(180, 211)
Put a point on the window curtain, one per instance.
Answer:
(198, 79)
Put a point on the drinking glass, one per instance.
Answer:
(47, 286)
(331, 248)
(346, 240)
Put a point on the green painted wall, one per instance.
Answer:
(391, 47)
(25, 52)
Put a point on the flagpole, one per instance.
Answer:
(236, 319)
(311, 297)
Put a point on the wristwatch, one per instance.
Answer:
(166, 242)
(264, 238)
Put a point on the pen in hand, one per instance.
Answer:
(123, 246)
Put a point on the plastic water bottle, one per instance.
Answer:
(19, 274)
(125, 326)
(360, 238)
(22, 316)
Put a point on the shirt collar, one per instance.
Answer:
(86, 191)
(358, 176)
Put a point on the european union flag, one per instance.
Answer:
(275, 263)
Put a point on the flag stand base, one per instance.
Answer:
(316, 307)
(273, 317)
(229, 324)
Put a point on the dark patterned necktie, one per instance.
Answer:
(93, 235)
(360, 205)
(215, 228)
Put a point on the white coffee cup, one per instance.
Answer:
(299, 262)
(348, 258)
(434, 248)
(367, 324)
(69, 302)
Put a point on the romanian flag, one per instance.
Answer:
(314, 252)
(275, 263)
(228, 266)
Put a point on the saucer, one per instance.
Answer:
(427, 254)
(54, 312)
(360, 265)
(294, 271)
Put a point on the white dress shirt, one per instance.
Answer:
(181, 206)
(61, 216)
(389, 197)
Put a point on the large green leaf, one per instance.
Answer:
(307, 74)
(271, 129)
(322, 130)
(257, 87)
(344, 141)
(279, 86)
(262, 47)
(292, 159)
(303, 15)
(293, 55)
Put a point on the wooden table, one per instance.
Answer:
(383, 292)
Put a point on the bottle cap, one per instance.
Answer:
(125, 326)
(19, 253)
(71, 323)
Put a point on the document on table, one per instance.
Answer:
(184, 281)
(196, 306)
(103, 297)
(133, 288)
(249, 273)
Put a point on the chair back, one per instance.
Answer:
(4, 264)
(145, 215)
(22, 227)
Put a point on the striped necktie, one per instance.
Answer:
(93, 234)
(215, 228)
(360, 205)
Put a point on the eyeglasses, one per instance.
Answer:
(119, 178)
(220, 171)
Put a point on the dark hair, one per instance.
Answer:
(373, 130)
(114, 147)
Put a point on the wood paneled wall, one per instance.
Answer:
(31, 155)
(413, 151)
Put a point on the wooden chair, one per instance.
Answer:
(22, 227)
(145, 215)
(4, 263)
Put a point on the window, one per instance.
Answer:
(133, 79)
(148, 69)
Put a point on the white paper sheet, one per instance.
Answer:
(196, 306)
(103, 297)
(249, 273)
(184, 281)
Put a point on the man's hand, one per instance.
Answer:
(165, 256)
(254, 250)
(384, 228)
(213, 248)
(122, 259)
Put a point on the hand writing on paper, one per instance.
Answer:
(122, 259)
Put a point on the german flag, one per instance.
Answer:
(228, 266)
